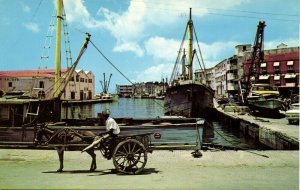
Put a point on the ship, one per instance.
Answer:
(186, 96)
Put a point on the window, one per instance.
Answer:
(81, 79)
(41, 94)
(41, 84)
(263, 70)
(9, 84)
(290, 67)
(276, 68)
(72, 95)
(77, 78)
(90, 80)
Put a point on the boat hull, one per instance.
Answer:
(189, 100)
(268, 105)
(173, 131)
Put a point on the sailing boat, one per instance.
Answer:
(185, 96)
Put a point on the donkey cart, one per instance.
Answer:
(128, 152)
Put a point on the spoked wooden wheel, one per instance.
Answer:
(130, 156)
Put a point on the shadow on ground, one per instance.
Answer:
(145, 171)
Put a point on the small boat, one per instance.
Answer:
(264, 98)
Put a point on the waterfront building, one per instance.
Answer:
(40, 83)
(143, 89)
(125, 90)
(280, 68)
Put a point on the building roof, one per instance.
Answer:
(49, 73)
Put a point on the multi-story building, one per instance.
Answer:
(280, 68)
(40, 83)
(142, 89)
(206, 76)
(125, 90)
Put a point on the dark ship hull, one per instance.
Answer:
(189, 100)
(271, 105)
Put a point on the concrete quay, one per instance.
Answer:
(277, 134)
(36, 169)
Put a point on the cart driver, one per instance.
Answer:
(112, 130)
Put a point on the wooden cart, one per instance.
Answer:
(129, 153)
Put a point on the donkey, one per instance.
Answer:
(64, 136)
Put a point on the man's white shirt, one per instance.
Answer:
(112, 124)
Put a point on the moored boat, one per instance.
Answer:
(264, 98)
(186, 96)
(172, 131)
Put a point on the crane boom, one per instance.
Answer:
(257, 56)
(72, 69)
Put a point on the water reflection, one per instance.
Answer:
(124, 107)
(217, 133)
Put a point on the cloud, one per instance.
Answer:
(164, 49)
(26, 8)
(274, 43)
(132, 26)
(77, 13)
(33, 27)
(129, 46)
(154, 73)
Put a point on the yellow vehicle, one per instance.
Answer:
(265, 90)
(264, 98)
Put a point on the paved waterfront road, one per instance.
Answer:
(35, 169)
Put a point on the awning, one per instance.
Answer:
(276, 64)
(263, 77)
(277, 77)
(290, 63)
(263, 65)
(288, 76)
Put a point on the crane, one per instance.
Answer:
(257, 56)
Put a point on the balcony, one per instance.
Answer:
(233, 67)
(292, 84)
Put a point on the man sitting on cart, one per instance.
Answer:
(112, 131)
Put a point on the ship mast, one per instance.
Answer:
(190, 47)
(183, 65)
(57, 49)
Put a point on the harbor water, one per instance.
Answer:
(215, 133)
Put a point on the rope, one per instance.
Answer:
(120, 71)
(178, 57)
(111, 63)
(203, 68)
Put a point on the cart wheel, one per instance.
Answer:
(130, 156)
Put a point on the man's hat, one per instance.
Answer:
(106, 112)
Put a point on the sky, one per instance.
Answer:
(139, 37)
